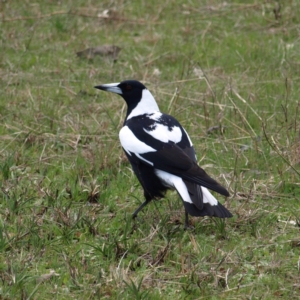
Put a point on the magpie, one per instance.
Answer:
(162, 155)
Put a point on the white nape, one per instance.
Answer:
(147, 105)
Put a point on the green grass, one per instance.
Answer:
(67, 191)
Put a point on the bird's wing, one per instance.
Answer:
(174, 160)
(162, 145)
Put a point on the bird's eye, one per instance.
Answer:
(128, 87)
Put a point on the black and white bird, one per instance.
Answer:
(162, 154)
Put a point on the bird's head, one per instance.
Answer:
(136, 95)
(130, 90)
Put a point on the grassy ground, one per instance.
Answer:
(228, 71)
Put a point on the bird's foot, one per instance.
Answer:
(188, 227)
(136, 218)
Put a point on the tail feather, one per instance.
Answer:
(208, 210)
(197, 200)
(203, 203)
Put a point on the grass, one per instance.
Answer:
(228, 71)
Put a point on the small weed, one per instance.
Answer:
(135, 290)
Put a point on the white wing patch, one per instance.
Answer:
(162, 133)
(155, 116)
(131, 143)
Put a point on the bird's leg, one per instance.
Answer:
(186, 222)
(134, 215)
